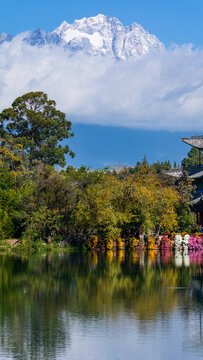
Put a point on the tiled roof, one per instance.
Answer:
(197, 175)
(194, 172)
(196, 141)
(197, 199)
(174, 172)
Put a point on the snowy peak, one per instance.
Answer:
(5, 37)
(88, 24)
(108, 36)
(39, 38)
(98, 35)
(93, 29)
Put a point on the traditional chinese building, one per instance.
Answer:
(196, 173)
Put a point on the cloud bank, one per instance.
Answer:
(162, 91)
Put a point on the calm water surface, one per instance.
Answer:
(101, 307)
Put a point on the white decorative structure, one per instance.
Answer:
(178, 241)
(185, 241)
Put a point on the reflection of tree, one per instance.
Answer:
(40, 294)
(31, 320)
(194, 314)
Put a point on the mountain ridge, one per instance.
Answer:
(98, 35)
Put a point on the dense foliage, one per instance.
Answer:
(34, 122)
(193, 158)
(39, 202)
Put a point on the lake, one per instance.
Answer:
(111, 306)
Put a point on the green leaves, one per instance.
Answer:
(34, 122)
(192, 158)
(38, 201)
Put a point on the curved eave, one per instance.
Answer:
(197, 143)
(197, 204)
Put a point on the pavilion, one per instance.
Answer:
(196, 173)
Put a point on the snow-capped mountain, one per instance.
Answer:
(107, 36)
(5, 37)
(99, 35)
(39, 37)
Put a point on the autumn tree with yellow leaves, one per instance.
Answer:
(40, 203)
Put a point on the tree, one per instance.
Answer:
(34, 122)
(192, 158)
(10, 156)
(160, 166)
(149, 201)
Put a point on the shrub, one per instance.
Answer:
(133, 242)
(92, 242)
(109, 244)
(151, 243)
(121, 244)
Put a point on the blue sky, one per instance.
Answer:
(100, 146)
(173, 21)
(104, 141)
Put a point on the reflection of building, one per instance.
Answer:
(195, 173)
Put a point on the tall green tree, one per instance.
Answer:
(192, 158)
(34, 122)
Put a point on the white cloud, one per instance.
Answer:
(157, 91)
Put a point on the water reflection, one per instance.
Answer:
(61, 306)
